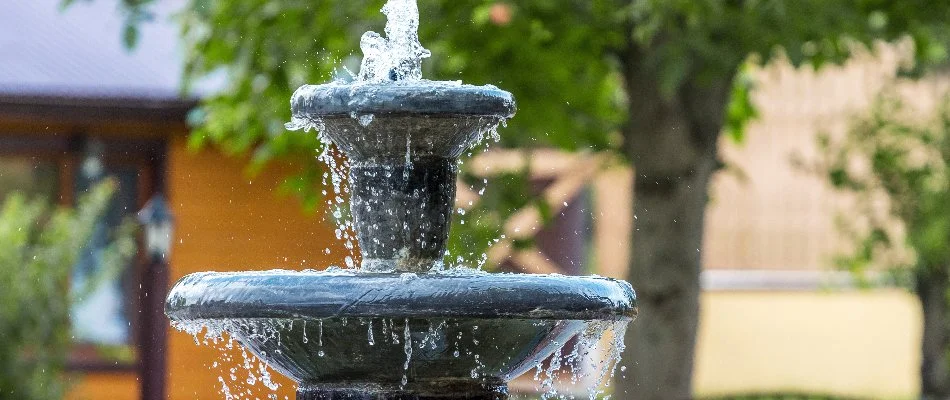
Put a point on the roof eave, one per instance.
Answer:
(80, 109)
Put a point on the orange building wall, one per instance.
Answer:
(229, 220)
(116, 385)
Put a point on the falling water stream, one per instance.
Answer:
(587, 361)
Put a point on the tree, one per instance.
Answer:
(38, 249)
(654, 81)
(897, 170)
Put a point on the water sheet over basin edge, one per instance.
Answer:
(343, 326)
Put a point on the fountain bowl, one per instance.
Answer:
(373, 121)
(391, 333)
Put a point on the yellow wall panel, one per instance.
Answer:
(855, 343)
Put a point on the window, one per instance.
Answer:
(105, 315)
(31, 175)
(102, 314)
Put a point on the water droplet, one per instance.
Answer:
(407, 346)
(369, 334)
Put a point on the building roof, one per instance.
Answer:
(76, 55)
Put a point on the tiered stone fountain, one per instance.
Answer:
(400, 327)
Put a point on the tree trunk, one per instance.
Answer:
(665, 271)
(672, 145)
(935, 366)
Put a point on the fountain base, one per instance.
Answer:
(445, 389)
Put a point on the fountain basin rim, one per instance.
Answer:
(313, 295)
(401, 98)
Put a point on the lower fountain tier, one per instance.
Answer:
(343, 335)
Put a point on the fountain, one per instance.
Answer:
(402, 326)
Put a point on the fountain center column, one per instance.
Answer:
(403, 142)
(402, 210)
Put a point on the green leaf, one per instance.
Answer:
(130, 36)
(741, 110)
(64, 4)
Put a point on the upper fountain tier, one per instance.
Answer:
(403, 140)
(390, 112)
(403, 136)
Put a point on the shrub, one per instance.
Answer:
(39, 245)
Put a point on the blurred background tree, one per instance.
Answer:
(653, 81)
(897, 170)
(38, 248)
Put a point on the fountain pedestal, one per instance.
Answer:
(437, 390)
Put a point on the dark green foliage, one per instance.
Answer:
(483, 224)
(559, 58)
(38, 247)
(898, 170)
